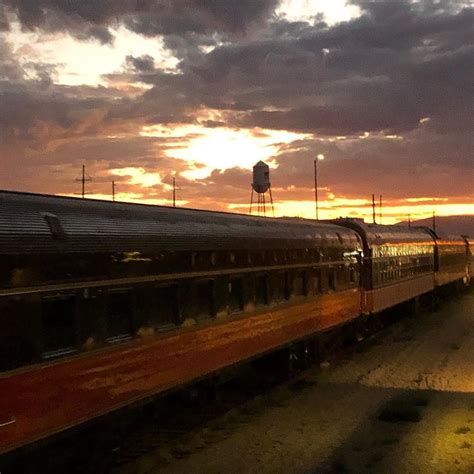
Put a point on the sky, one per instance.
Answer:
(144, 91)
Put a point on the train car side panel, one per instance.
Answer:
(385, 297)
(43, 400)
(453, 260)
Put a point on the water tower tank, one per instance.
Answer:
(261, 177)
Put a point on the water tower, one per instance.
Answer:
(260, 185)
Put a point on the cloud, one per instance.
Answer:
(393, 84)
(143, 63)
(91, 19)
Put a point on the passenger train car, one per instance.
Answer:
(398, 263)
(105, 304)
(452, 259)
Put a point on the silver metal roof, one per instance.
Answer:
(376, 234)
(28, 223)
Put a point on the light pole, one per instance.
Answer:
(318, 158)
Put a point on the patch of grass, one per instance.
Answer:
(466, 445)
(463, 430)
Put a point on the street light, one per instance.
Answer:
(318, 158)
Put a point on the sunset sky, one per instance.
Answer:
(143, 90)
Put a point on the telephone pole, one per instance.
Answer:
(175, 188)
(316, 203)
(174, 191)
(373, 208)
(380, 207)
(113, 190)
(316, 187)
(84, 179)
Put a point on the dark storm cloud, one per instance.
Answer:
(35, 114)
(4, 25)
(377, 72)
(143, 63)
(384, 71)
(92, 19)
(10, 69)
(201, 16)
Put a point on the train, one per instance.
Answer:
(107, 304)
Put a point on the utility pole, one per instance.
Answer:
(320, 156)
(434, 221)
(84, 179)
(373, 208)
(174, 191)
(380, 207)
(316, 187)
(175, 188)
(409, 220)
(113, 190)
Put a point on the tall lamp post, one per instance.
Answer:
(318, 158)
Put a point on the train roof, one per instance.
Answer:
(377, 234)
(450, 239)
(37, 223)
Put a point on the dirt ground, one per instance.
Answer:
(402, 403)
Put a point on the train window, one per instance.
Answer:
(317, 286)
(202, 299)
(332, 278)
(352, 274)
(235, 295)
(59, 327)
(280, 292)
(261, 290)
(119, 315)
(292, 255)
(299, 284)
(316, 255)
(167, 306)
